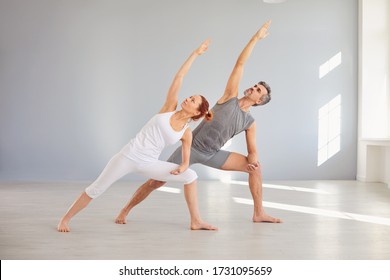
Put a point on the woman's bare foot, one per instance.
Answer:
(200, 225)
(264, 218)
(63, 226)
(121, 219)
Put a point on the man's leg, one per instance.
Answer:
(238, 162)
(140, 194)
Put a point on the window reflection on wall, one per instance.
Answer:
(329, 130)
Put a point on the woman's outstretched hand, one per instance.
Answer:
(203, 47)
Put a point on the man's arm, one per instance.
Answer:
(231, 89)
(252, 148)
(172, 95)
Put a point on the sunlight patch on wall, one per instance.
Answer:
(329, 130)
(329, 65)
(387, 102)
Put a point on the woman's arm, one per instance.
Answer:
(172, 100)
(185, 151)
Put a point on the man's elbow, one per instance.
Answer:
(240, 63)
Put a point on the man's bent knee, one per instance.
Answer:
(256, 172)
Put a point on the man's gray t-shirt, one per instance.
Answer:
(228, 121)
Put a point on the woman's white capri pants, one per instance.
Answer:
(121, 165)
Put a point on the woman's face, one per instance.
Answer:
(191, 104)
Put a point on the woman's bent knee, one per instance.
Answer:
(191, 176)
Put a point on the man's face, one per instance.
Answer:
(256, 93)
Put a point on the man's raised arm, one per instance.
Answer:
(231, 89)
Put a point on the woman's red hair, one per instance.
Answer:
(204, 111)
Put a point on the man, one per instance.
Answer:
(230, 117)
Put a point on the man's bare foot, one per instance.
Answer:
(121, 219)
(264, 218)
(63, 227)
(202, 226)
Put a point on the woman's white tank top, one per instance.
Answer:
(153, 138)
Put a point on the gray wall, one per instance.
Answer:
(78, 79)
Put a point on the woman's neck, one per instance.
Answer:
(180, 119)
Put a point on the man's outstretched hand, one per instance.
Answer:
(263, 31)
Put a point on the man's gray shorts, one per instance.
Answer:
(216, 160)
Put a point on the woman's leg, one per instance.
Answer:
(80, 203)
(191, 196)
(160, 170)
(116, 168)
(147, 188)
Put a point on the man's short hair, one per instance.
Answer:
(267, 97)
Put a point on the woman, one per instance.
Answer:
(141, 154)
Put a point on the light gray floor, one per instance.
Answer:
(158, 228)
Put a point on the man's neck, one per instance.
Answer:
(245, 103)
